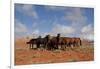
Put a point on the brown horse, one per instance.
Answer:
(68, 41)
(77, 42)
(63, 42)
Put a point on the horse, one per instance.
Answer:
(31, 43)
(69, 41)
(55, 42)
(78, 41)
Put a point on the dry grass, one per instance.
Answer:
(23, 55)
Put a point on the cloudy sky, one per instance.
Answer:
(35, 20)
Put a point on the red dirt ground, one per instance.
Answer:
(25, 56)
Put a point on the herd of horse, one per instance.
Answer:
(56, 42)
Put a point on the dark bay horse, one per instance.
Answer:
(32, 42)
(39, 42)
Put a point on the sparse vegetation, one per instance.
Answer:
(24, 55)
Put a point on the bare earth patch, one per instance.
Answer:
(26, 56)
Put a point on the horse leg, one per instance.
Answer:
(68, 45)
(62, 47)
(74, 44)
(46, 46)
(59, 46)
(30, 46)
(65, 46)
(37, 46)
(77, 44)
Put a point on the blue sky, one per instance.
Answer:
(41, 20)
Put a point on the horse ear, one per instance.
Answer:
(58, 34)
(49, 36)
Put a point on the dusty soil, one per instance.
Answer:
(24, 55)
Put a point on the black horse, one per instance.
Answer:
(31, 43)
(39, 42)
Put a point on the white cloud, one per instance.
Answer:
(20, 27)
(27, 9)
(21, 30)
(87, 36)
(36, 31)
(87, 29)
(88, 32)
(75, 15)
(64, 30)
(76, 18)
(55, 8)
